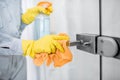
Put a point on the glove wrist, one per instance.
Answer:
(27, 46)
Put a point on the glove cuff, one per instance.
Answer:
(27, 46)
(29, 16)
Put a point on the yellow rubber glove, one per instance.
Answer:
(47, 44)
(30, 15)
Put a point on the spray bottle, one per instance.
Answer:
(42, 21)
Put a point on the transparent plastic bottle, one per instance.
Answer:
(42, 26)
(42, 22)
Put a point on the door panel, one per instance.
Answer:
(83, 17)
(111, 27)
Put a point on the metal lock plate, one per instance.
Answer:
(87, 42)
(118, 42)
(107, 46)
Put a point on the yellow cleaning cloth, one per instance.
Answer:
(58, 58)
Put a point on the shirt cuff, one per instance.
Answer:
(16, 46)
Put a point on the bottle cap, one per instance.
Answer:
(44, 4)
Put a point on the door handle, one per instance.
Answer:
(85, 42)
(80, 42)
(102, 45)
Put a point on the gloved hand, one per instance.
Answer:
(31, 14)
(47, 6)
(47, 44)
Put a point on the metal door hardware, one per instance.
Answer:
(95, 44)
(118, 42)
(75, 43)
(80, 42)
(107, 46)
(87, 42)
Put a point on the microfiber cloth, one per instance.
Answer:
(58, 59)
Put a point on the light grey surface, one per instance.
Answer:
(12, 68)
(111, 27)
(83, 17)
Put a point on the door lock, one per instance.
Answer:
(103, 45)
(85, 42)
(107, 46)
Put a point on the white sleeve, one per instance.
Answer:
(14, 45)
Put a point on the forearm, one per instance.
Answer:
(22, 27)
